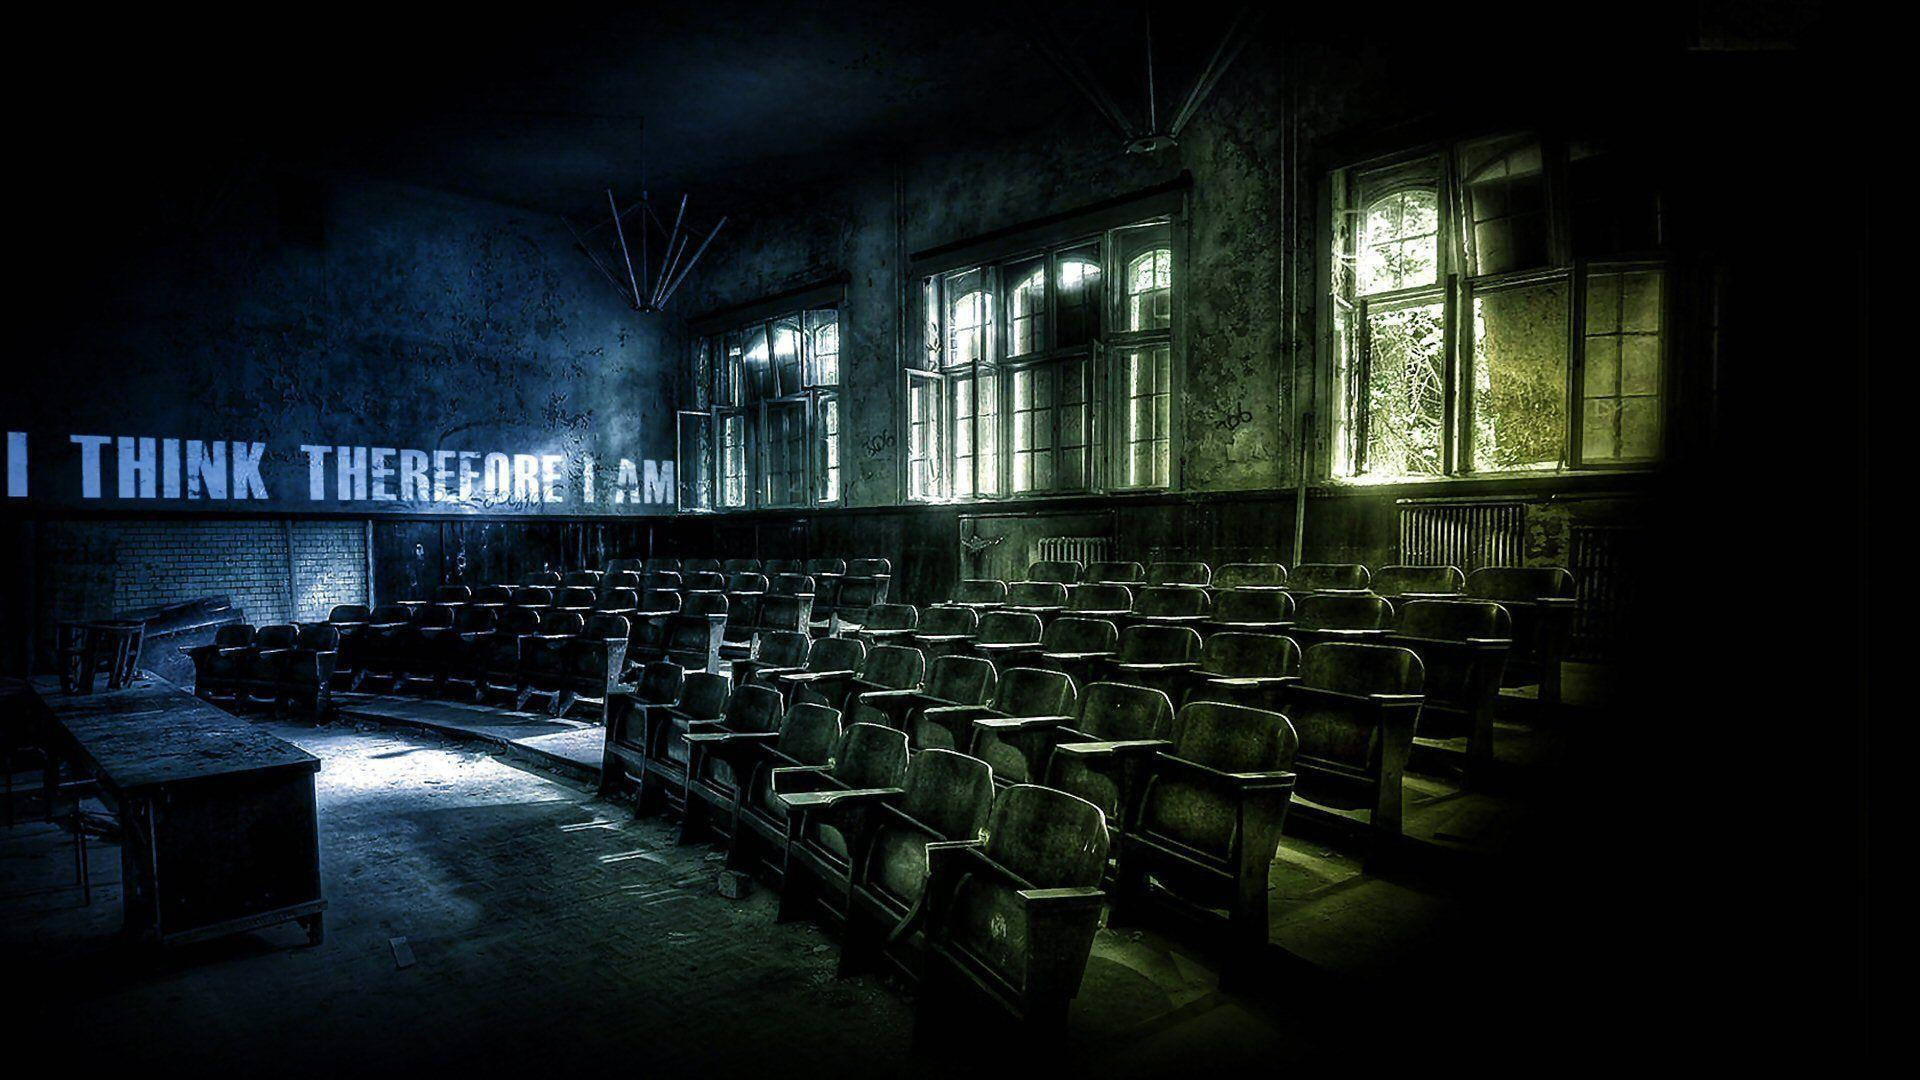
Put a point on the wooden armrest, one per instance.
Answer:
(1021, 723)
(713, 738)
(1245, 781)
(1072, 896)
(801, 800)
(1111, 747)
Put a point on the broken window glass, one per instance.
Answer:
(1506, 194)
(1406, 389)
(1519, 377)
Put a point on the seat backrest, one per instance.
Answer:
(519, 621)
(1307, 577)
(608, 627)
(664, 579)
(1179, 573)
(701, 566)
(1159, 644)
(577, 596)
(618, 600)
(746, 581)
(1456, 620)
(791, 585)
(621, 579)
(432, 617)
(1100, 597)
(544, 579)
(652, 565)
(773, 568)
(1172, 600)
(233, 636)
(473, 619)
(876, 568)
(891, 617)
(1026, 691)
(348, 613)
(1253, 606)
(1400, 580)
(836, 654)
(809, 732)
(1344, 611)
(276, 636)
(1116, 573)
(980, 591)
(752, 707)
(1009, 628)
(966, 680)
(452, 594)
(318, 637)
(1111, 710)
(703, 695)
(1259, 575)
(782, 613)
(616, 566)
(1519, 582)
(661, 600)
(532, 596)
(870, 756)
(949, 620)
(1065, 572)
(392, 613)
(896, 667)
(558, 623)
(1040, 594)
(660, 683)
(740, 566)
(856, 594)
(586, 579)
(952, 793)
(818, 567)
(1234, 738)
(703, 603)
(703, 581)
(1071, 635)
(493, 595)
(1050, 839)
(781, 648)
(1241, 656)
(1352, 668)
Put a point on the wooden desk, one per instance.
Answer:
(219, 829)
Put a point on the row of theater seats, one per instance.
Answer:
(962, 789)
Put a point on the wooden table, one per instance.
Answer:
(220, 833)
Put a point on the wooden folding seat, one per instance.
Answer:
(878, 571)
(1170, 605)
(493, 596)
(537, 598)
(1463, 645)
(1541, 601)
(259, 681)
(1348, 617)
(866, 758)
(1021, 692)
(581, 579)
(664, 580)
(543, 656)
(1211, 809)
(1245, 669)
(703, 581)
(620, 566)
(501, 673)
(950, 680)
(1251, 611)
(1008, 638)
(886, 667)
(617, 602)
(710, 783)
(1115, 573)
(693, 634)
(351, 621)
(1078, 646)
(826, 575)
(850, 606)
(773, 568)
(780, 614)
(773, 650)
(1250, 576)
(730, 766)
(980, 594)
(651, 566)
(452, 596)
(216, 665)
(1043, 598)
(1355, 708)
(746, 583)
(543, 579)
(1100, 601)
(381, 644)
(1310, 578)
(304, 672)
(702, 566)
(1011, 921)
(1404, 584)
(465, 649)
(945, 629)
(595, 662)
(1180, 573)
(1022, 748)
(881, 624)
(791, 584)
(580, 598)
(737, 630)
(422, 647)
(621, 579)
(1156, 656)
(943, 798)
(663, 778)
(624, 758)
(740, 566)
(1063, 572)
(827, 658)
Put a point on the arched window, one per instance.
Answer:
(1401, 243)
(1026, 312)
(1149, 281)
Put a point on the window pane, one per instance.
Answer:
(823, 347)
(1620, 414)
(703, 369)
(1519, 377)
(1033, 403)
(976, 434)
(783, 452)
(695, 464)
(758, 364)
(1406, 390)
(730, 388)
(1076, 275)
(928, 358)
(1145, 256)
(923, 438)
(1071, 458)
(826, 443)
(1506, 204)
(969, 318)
(786, 356)
(1400, 241)
(1027, 308)
(1146, 457)
(733, 460)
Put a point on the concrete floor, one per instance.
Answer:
(547, 928)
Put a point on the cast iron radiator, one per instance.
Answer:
(1080, 549)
